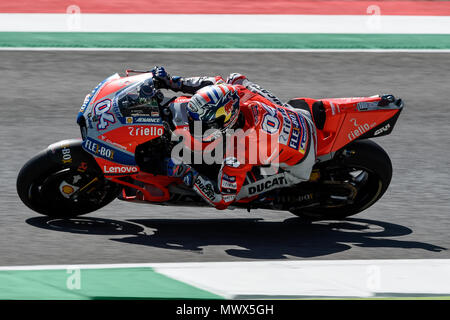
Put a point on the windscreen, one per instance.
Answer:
(139, 99)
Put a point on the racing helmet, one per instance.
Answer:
(216, 108)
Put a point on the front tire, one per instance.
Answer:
(45, 184)
(364, 157)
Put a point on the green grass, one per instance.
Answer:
(95, 284)
(223, 40)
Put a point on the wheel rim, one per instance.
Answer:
(369, 188)
(49, 192)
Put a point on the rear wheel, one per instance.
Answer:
(58, 190)
(360, 175)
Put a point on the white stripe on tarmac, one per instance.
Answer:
(77, 266)
(342, 278)
(301, 279)
(228, 23)
(238, 50)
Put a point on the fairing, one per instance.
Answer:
(349, 119)
(117, 116)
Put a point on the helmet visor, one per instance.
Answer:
(206, 131)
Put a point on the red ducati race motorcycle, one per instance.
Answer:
(121, 147)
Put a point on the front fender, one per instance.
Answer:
(70, 153)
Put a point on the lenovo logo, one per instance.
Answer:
(119, 169)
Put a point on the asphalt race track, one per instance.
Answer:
(40, 95)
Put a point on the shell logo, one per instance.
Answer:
(68, 189)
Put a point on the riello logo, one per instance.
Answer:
(360, 130)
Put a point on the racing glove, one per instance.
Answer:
(164, 80)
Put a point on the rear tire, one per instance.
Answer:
(367, 156)
(40, 179)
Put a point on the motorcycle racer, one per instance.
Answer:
(137, 146)
(287, 136)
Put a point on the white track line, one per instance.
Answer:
(229, 23)
(231, 50)
(77, 266)
(301, 279)
(231, 263)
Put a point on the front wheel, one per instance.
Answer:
(61, 188)
(365, 169)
